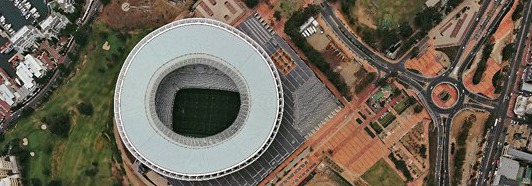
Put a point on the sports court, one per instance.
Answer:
(204, 112)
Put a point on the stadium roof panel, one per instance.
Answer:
(197, 36)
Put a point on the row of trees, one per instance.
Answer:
(459, 156)
(291, 28)
(481, 66)
(401, 165)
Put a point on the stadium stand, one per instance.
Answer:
(307, 102)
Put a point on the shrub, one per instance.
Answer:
(85, 108)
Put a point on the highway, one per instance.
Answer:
(423, 85)
(494, 147)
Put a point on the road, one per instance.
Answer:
(493, 147)
(424, 85)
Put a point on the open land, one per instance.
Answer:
(473, 141)
(392, 11)
(382, 174)
(143, 14)
(89, 142)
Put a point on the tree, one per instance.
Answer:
(59, 123)
(415, 52)
(423, 151)
(251, 3)
(418, 108)
(405, 30)
(85, 108)
(277, 15)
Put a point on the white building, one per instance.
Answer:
(9, 172)
(53, 24)
(35, 65)
(25, 38)
(7, 95)
(25, 75)
(66, 5)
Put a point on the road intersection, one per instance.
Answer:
(423, 86)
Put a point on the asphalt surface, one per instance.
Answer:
(495, 135)
(423, 86)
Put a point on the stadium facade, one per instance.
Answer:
(277, 112)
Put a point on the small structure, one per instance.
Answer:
(431, 3)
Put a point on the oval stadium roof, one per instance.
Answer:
(152, 146)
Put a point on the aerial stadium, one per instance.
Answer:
(200, 102)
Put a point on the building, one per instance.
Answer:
(431, 3)
(66, 5)
(517, 154)
(35, 65)
(517, 136)
(9, 171)
(527, 80)
(24, 74)
(507, 172)
(25, 38)
(6, 94)
(295, 98)
(53, 24)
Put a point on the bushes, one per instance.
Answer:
(481, 67)
(292, 29)
(459, 155)
(459, 158)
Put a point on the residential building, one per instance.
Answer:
(25, 75)
(507, 172)
(25, 38)
(6, 94)
(53, 24)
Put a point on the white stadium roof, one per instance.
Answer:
(167, 47)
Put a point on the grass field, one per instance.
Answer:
(394, 11)
(381, 174)
(204, 112)
(89, 142)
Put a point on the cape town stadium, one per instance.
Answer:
(201, 102)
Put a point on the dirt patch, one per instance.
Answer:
(142, 13)
(56, 158)
(100, 142)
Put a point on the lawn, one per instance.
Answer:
(382, 174)
(204, 112)
(386, 119)
(402, 106)
(288, 7)
(390, 11)
(88, 144)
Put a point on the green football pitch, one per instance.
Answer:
(204, 112)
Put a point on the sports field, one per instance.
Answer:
(383, 175)
(204, 112)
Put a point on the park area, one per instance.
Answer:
(390, 12)
(382, 174)
(467, 135)
(86, 154)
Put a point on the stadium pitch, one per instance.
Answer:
(204, 112)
